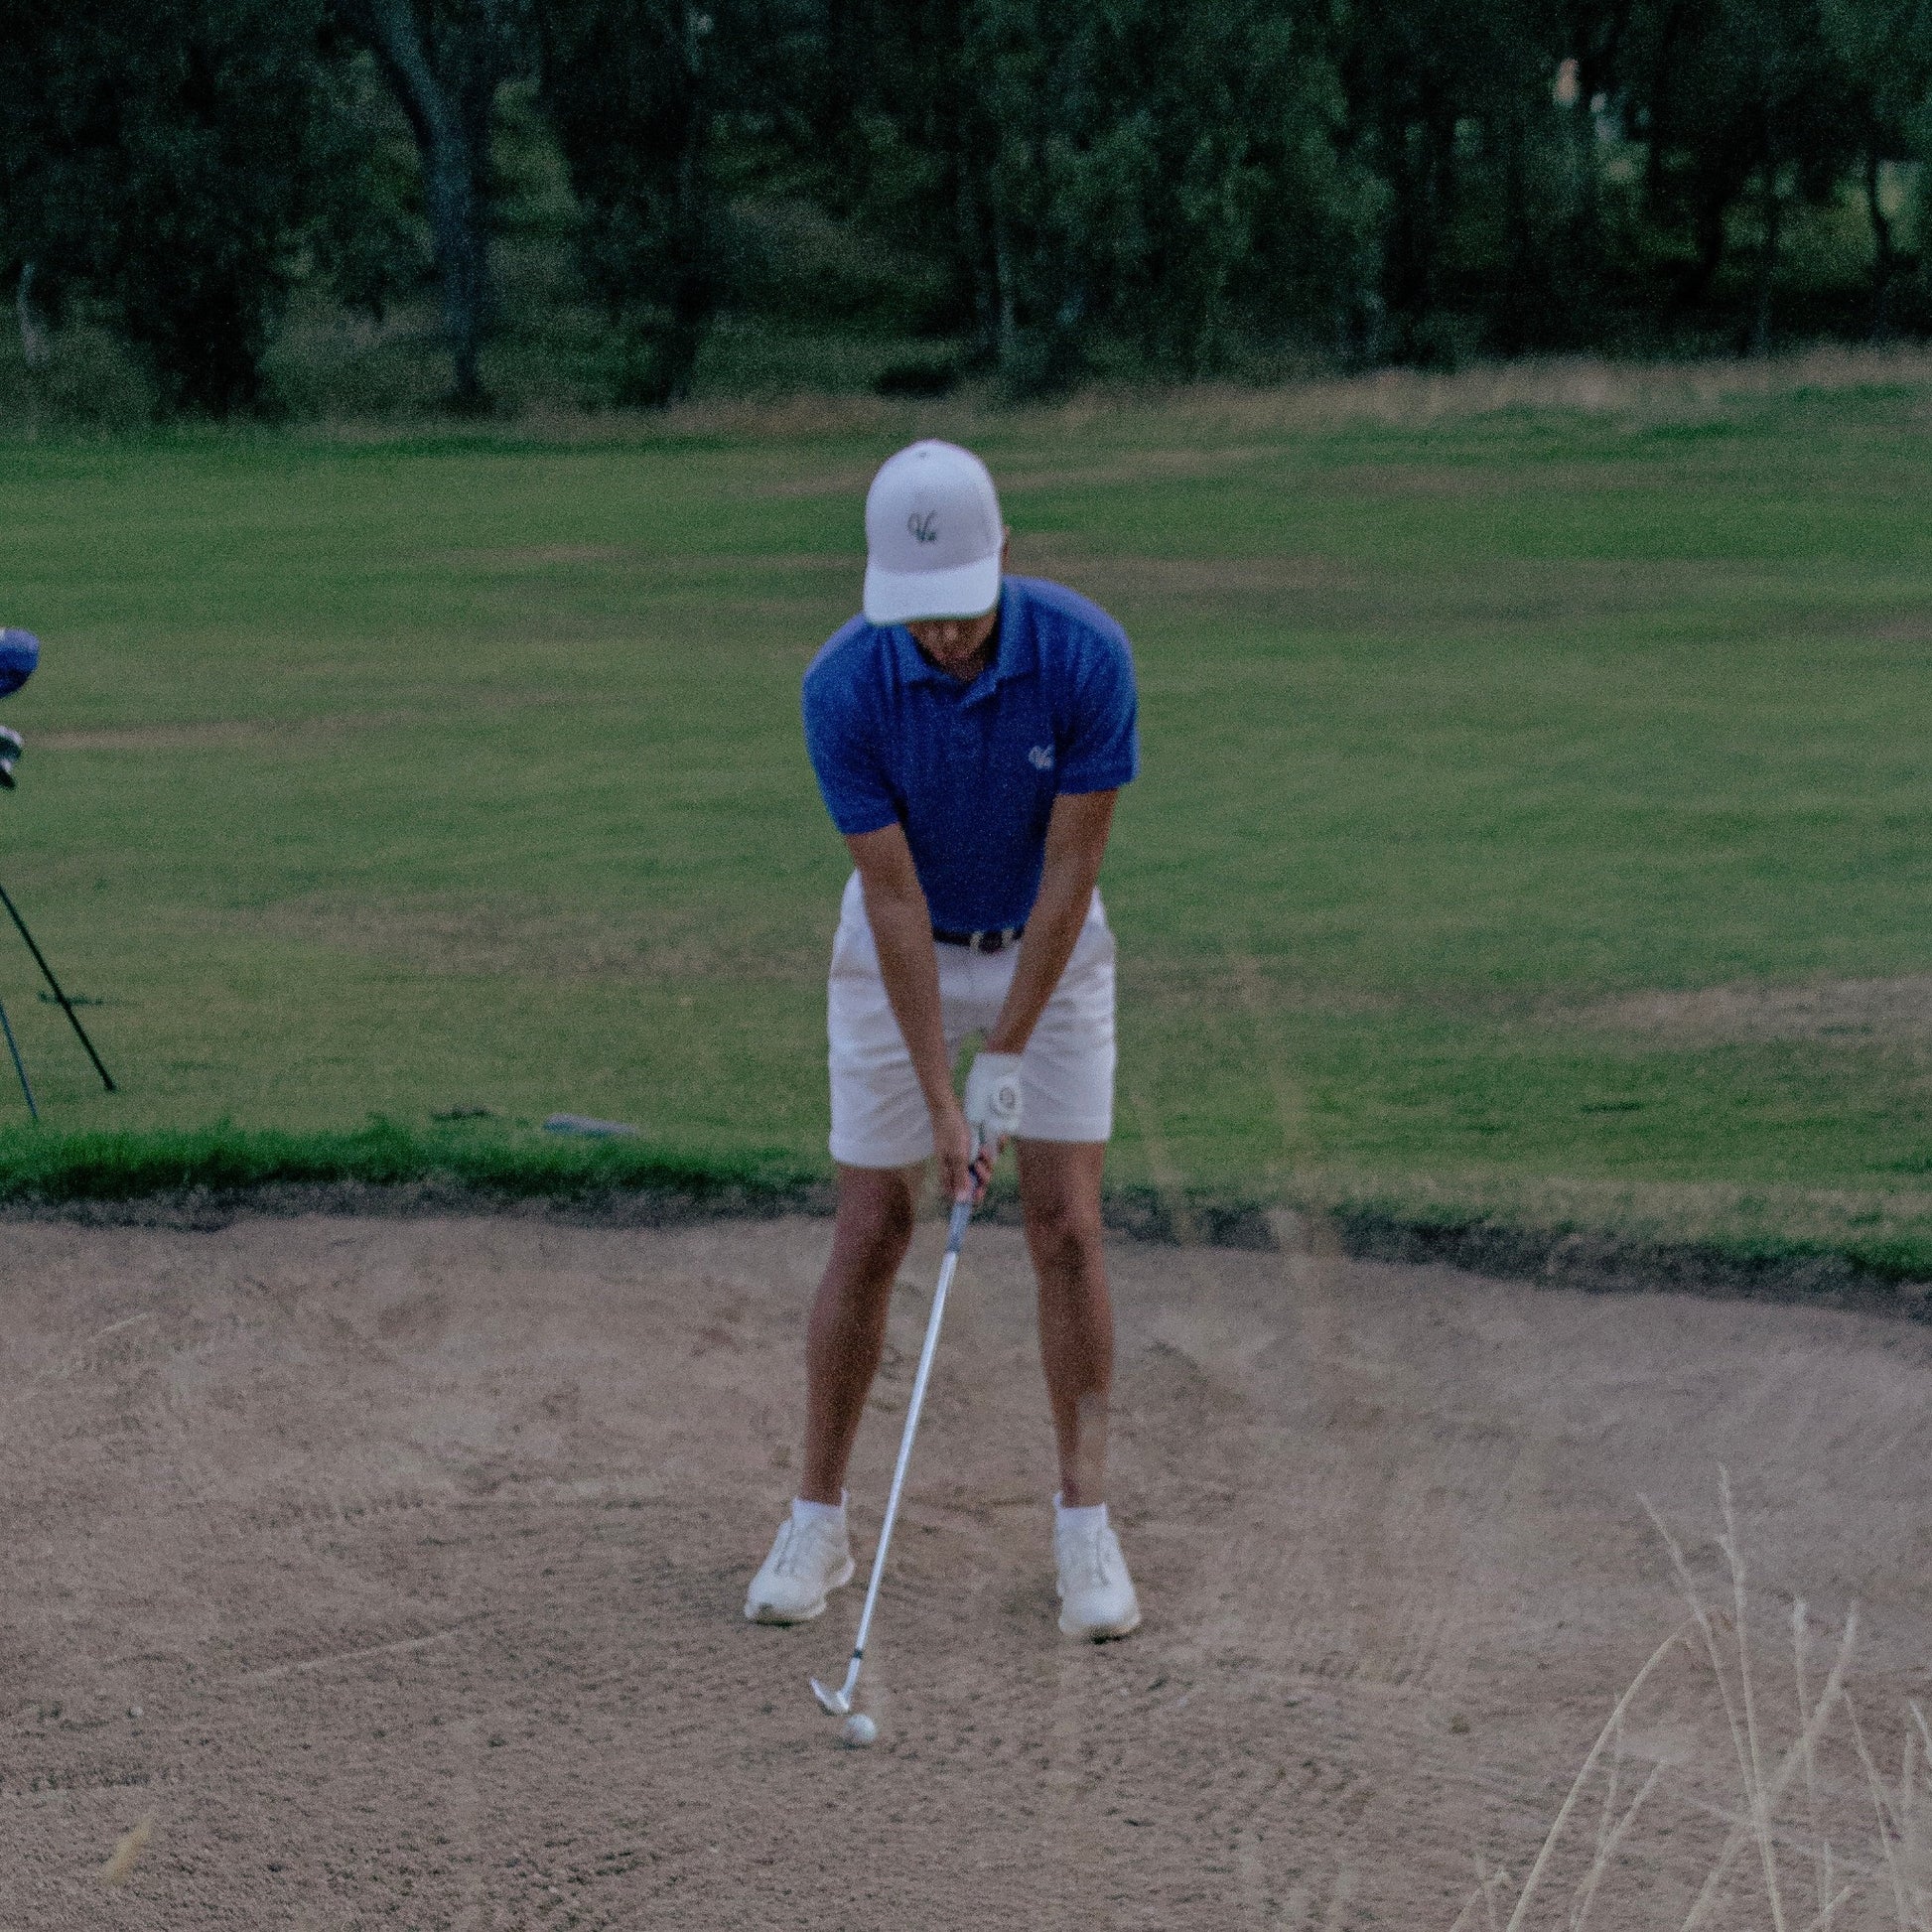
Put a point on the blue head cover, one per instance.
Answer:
(20, 653)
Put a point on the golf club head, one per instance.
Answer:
(10, 748)
(837, 1703)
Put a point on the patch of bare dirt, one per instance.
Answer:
(1491, 480)
(565, 943)
(1905, 630)
(390, 1571)
(1875, 1010)
(636, 556)
(1134, 466)
(283, 735)
(214, 735)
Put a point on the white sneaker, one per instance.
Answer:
(1097, 1598)
(807, 1559)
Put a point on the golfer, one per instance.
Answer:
(970, 733)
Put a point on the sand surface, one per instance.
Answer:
(389, 1572)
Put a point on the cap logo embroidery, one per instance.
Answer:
(924, 527)
(1041, 758)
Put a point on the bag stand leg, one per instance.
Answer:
(19, 1066)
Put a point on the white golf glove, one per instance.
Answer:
(993, 1096)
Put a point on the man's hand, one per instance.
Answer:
(993, 1098)
(965, 1162)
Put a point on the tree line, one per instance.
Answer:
(1139, 187)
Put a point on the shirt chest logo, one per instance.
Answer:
(1041, 758)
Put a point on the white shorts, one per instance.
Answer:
(1066, 1074)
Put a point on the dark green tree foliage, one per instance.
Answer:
(1478, 121)
(1746, 97)
(157, 163)
(1884, 46)
(1173, 188)
(366, 234)
(629, 90)
(1493, 129)
(1137, 182)
(1157, 174)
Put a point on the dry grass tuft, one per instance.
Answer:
(1804, 1833)
(1391, 397)
(1580, 386)
(120, 1860)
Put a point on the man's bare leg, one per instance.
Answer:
(847, 1334)
(1059, 1190)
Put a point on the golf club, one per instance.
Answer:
(839, 1702)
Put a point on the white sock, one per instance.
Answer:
(805, 1514)
(1087, 1519)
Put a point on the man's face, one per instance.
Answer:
(959, 644)
(955, 644)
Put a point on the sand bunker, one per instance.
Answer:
(390, 1571)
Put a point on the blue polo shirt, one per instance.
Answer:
(971, 770)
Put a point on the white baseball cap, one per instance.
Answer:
(932, 536)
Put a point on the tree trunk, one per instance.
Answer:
(1006, 322)
(1713, 204)
(1519, 321)
(1772, 208)
(462, 260)
(975, 248)
(1662, 131)
(34, 346)
(449, 113)
(1422, 158)
(689, 297)
(1883, 256)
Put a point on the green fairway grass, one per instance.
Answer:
(404, 774)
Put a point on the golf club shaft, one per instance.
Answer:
(66, 1004)
(962, 1212)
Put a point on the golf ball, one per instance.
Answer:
(859, 1731)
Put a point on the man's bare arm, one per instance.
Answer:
(901, 929)
(1076, 842)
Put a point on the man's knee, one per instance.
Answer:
(1064, 1226)
(877, 1216)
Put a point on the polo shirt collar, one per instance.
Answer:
(1018, 655)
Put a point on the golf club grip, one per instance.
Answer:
(962, 1211)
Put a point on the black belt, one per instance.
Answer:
(995, 940)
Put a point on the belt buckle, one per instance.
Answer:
(993, 941)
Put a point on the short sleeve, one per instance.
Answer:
(1103, 750)
(851, 776)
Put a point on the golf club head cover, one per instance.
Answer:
(993, 1096)
(20, 653)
